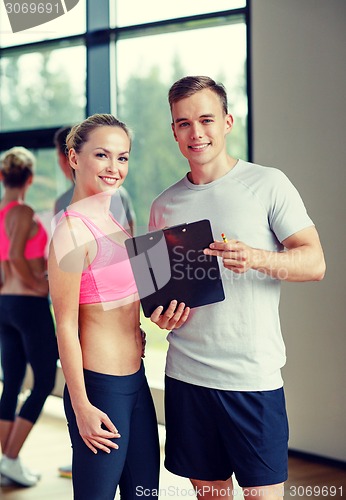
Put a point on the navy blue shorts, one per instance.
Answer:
(211, 434)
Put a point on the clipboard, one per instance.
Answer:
(170, 264)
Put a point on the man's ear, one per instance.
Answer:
(228, 123)
(173, 130)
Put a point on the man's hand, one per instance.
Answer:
(301, 260)
(174, 316)
(236, 255)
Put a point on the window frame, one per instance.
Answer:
(98, 40)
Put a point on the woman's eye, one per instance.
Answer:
(123, 159)
(100, 155)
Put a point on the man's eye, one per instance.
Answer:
(183, 124)
(207, 120)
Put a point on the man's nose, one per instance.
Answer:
(196, 131)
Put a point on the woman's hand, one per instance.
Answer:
(96, 429)
(174, 316)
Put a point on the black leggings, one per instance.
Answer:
(27, 336)
(135, 465)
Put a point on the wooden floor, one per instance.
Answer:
(48, 448)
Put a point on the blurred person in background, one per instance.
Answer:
(27, 334)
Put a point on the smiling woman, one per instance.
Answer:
(102, 153)
(107, 399)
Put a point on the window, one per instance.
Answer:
(37, 90)
(119, 56)
(130, 12)
(143, 81)
(59, 27)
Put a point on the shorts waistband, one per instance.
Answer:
(117, 383)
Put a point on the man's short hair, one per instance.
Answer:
(189, 85)
(60, 139)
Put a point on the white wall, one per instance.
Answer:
(299, 123)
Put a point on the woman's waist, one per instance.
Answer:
(108, 350)
(117, 319)
(18, 290)
(13, 283)
(115, 384)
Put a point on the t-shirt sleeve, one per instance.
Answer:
(287, 212)
(152, 226)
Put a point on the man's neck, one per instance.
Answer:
(204, 174)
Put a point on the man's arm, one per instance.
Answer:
(302, 260)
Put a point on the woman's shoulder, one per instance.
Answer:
(20, 215)
(71, 238)
(21, 209)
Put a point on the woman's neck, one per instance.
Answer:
(13, 194)
(95, 207)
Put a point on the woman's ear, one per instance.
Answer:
(73, 158)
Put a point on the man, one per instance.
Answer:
(121, 205)
(225, 407)
(60, 146)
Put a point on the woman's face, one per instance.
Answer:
(102, 163)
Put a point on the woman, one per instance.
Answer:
(27, 334)
(109, 409)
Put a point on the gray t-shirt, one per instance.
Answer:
(235, 344)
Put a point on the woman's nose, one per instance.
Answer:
(112, 166)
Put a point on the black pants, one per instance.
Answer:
(135, 465)
(27, 336)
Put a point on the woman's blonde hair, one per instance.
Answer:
(79, 134)
(16, 166)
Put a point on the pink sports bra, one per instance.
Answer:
(35, 247)
(109, 276)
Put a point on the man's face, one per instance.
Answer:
(200, 127)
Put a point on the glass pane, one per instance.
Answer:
(49, 181)
(144, 78)
(131, 12)
(66, 19)
(37, 91)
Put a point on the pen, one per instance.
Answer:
(225, 240)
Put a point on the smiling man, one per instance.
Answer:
(225, 405)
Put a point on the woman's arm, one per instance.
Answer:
(64, 280)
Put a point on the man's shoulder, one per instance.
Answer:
(170, 191)
(64, 200)
(255, 173)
